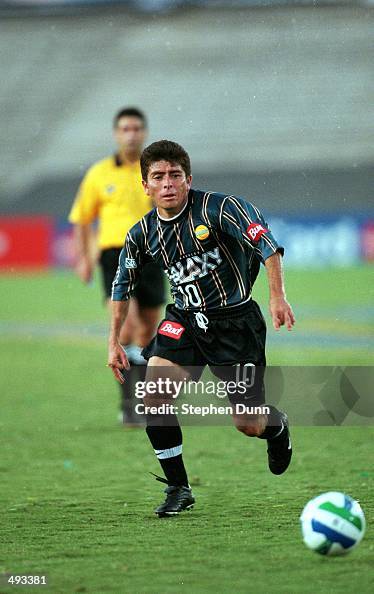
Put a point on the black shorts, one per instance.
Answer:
(232, 336)
(150, 290)
(235, 336)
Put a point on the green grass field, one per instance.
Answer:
(76, 495)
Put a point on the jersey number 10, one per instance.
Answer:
(190, 296)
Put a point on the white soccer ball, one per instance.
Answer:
(332, 524)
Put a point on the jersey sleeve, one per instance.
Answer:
(85, 208)
(130, 264)
(244, 221)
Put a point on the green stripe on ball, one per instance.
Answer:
(343, 513)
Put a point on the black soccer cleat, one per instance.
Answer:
(280, 449)
(178, 499)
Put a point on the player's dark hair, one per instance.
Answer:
(131, 112)
(164, 150)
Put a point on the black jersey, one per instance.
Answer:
(211, 251)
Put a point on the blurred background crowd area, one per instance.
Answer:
(272, 99)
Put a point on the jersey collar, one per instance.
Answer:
(180, 214)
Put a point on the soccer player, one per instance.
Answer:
(211, 246)
(112, 193)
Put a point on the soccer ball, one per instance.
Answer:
(332, 524)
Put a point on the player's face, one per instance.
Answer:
(130, 134)
(168, 186)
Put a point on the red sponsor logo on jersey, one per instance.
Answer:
(255, 230)
(171, 329)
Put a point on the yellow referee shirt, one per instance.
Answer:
(111, 192)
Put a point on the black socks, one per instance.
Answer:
(165, 436)
(274, 426)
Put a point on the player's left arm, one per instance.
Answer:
(242, 220)
(280, 310)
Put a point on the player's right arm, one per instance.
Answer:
(128, 272)
(84, 211)
(117, 359)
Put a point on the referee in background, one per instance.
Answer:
(111, 192)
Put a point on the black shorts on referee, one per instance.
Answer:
(150, 290)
